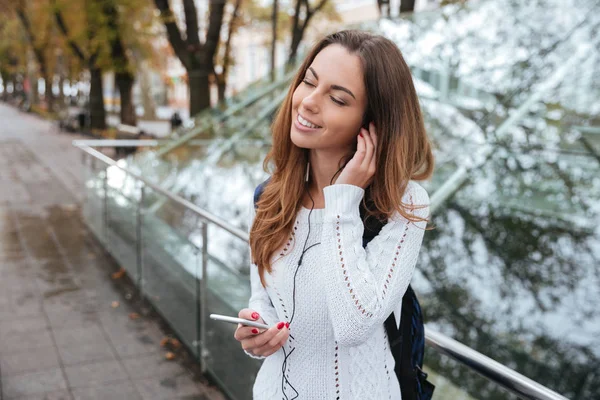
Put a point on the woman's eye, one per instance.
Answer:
(338, 102)
(307, 82)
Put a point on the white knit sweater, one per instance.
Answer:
(338, 348)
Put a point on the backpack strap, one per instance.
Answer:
(259, 191)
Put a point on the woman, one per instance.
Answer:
(350, 130)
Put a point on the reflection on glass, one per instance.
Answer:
(511, 266)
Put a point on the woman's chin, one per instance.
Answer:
(301, 140)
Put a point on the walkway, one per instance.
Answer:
(69, 328)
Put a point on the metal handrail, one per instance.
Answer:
(491, 369)
(197, 130)
(485, 366)
(205, 215)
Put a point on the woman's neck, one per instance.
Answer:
(323, 166)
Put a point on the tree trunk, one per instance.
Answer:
(61, 92)
(3, 78)
(221, 86)
(199, 90)
(48, 96)
(34, 97)
(296, 33)
(274, 38)
(96, 105)
(124, 81)
(407, 6)
(147, 97)
(296, 39)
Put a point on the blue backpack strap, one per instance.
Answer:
(259, 191)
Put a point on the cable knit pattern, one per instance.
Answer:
(344, 293)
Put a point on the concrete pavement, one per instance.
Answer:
(60, 336)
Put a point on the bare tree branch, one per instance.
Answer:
(173, 31)
(216, 12)
(191, 23)
(230, 33)
(317, 8)
(63, 28)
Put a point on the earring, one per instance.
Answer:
(307, 171)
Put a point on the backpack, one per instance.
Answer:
(408, 354)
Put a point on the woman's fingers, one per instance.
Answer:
(260, 340)
(360, 147)
(244, 332)
(274, 343)
(369, 150)
(361, 168)
(248, 313)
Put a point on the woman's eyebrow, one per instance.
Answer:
(334, 87)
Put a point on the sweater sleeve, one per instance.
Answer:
(364, 286)
(259, 298)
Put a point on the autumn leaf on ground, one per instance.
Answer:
(134, 315)
(164, 341)
(170, 356)
(119, 274)
(175, 343)
(114, 304)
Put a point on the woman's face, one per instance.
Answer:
(329, 104)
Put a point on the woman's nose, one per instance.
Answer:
(309, 103)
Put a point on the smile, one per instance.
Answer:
(306, 123)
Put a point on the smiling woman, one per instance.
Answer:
(348, 138)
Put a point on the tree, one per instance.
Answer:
(124, 77)
(303, 13)
(108, 38)
(274, 37)
(13, 51)
(384, 7)
(89, 57)
(227, 61)
(40, 45)
(407, 6)
(196, 57)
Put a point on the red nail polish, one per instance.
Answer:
(287, 325)
(280, 325)
(255, 315)
(255, 331)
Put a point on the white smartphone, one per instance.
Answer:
(235, 320)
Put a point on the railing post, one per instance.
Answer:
(197, 344)
(203, 298)
(139, 241)
(105, 207)
(86, 175)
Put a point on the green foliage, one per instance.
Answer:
(13, 49)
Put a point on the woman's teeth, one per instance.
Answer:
(304, 122)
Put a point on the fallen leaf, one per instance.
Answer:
(170, 356)
(175, 343)
(134, 315)
(119, 274)
(164, 341)
(114, 304)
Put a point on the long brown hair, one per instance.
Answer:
(403, 151)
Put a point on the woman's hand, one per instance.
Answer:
(360, 170)
(260, 342)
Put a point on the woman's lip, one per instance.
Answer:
(306, 119)
(303, 128)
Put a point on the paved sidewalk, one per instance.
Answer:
(60, 337)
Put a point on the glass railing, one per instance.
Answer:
(509, 269)
(181, 259)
